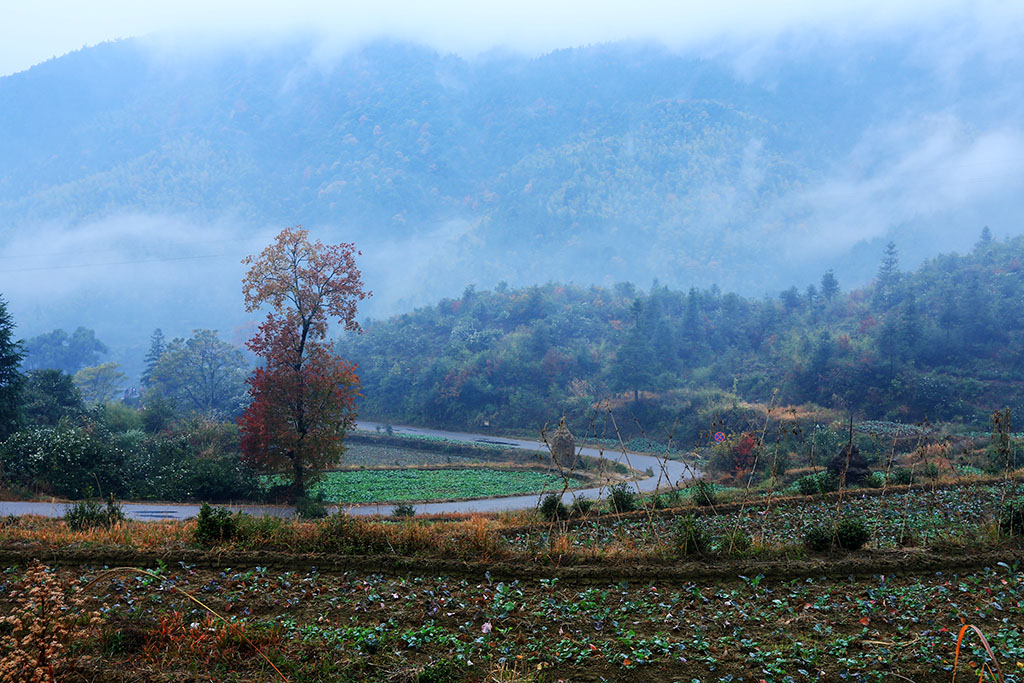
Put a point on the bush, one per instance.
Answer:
(852, 533)
(621, 498)
(215, 525)
(818, 538)
(404, 510)
(691, 538)
(310, 507)
(581, 507)
(874, 481)
(734, 540)
(902, 476)
(704, 494)
(90, 514)
(552, 509)
(1011, 517)
(822, 482)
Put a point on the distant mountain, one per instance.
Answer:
(599, 164)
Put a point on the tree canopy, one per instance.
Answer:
(303, 397)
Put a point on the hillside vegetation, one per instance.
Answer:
(942, 343)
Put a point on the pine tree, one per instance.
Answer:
(829, 285)
(157, 347)
(11, 379)
(888, 281)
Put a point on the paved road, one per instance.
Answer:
(666, 473)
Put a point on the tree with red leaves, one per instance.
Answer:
(303, 398)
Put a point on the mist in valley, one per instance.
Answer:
(749, 154)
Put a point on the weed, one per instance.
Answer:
(310, 507)
(704, 494)
(691, 538)
(404, 510)
(552, 509)
(818, 538)
(215, 525)
(621, 498)
(1011, 518)
(46, 618)
(852, 533)
(581, 507)
(90, 515)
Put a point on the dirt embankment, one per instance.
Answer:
(863, 563)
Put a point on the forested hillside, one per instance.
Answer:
(943, 343)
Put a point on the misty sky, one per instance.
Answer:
(32, 32)
(916, 169)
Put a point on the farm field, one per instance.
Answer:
(516, 598)
(374, 455)
(385, 486)
(420, 626)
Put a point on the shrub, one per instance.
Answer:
(581, 507)
(310, 507)
(734, 540)
(215, 525)
(852, 533)
(930, 471)
(404, 510)
(704, 494)
(902, 476)
(874, 481)
(552, 508)
(621, 498)
(818, 538)
(1011, 517)
(691, 538)
(90, 514)
(822, 482)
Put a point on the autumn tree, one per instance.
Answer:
(303, 397)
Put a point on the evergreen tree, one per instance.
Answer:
(888, 281)
(829, 285)
(157, 347)
(11, 379)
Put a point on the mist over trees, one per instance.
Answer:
(590, 165)
(942, 343)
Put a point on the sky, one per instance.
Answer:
(32, 32)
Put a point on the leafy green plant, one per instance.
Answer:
(902, 476)
(552, 508)
(704, 494)
(822, 482)
(89, 514)
(852, 533)
(818, 538)
(734, 540)
(215, 525)
(581, 507)
(310, 507)
(404, 510)
(621, 498)
(690, 536)
(1011, 517)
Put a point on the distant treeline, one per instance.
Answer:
(943, 343)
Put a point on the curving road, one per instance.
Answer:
(666, 474)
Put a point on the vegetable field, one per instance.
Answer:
(383, 486)
(373, 627)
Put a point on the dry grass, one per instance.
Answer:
(47, 616)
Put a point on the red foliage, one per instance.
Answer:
(303, 398)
